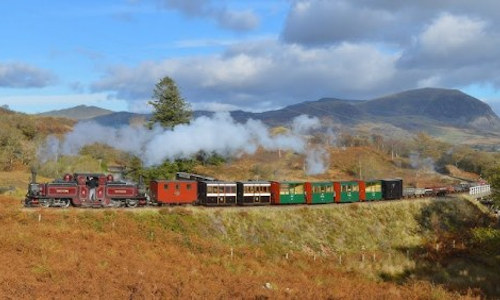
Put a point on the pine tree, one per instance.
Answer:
(170, 109)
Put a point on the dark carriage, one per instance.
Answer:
(216, 193)
(392, 189)
(254, 192)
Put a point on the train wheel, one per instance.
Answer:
(116, 203)
(131, 202)
(46, 203)
(67, 203)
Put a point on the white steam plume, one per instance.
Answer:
(219, 134)
(317, 161)
(425, 164)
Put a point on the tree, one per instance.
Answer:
(170, 109)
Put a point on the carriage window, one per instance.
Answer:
(188, 187)
(165, 186)
(284, 190)
(373, 187)
(210, 189)
(344, 188)
(177, 187)
(298, 189)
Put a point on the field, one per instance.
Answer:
(362, 251)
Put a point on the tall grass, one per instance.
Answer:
(326, 251)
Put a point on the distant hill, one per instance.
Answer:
(446, 113)
(411, 110)
(117, 119)
(81, 112)
(443, 106)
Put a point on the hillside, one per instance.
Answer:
(261, 253)
(21, 133)
(80, 112)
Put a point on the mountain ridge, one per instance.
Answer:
(80, 112)
(410, 110)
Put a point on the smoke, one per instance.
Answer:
(219, 134)
(303, 124)
(425, 164)
(317, 161)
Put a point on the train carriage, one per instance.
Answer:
(254, 192)
(319, 192)
(370, 190)
(287, 192)
(213, 193)
(164, 192)
(346, 191)
(392, 189)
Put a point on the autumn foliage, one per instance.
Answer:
(161, 254)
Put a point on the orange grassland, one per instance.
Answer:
(111, 254)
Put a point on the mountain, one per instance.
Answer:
(441, 112)
(81, 112)
(443, 106)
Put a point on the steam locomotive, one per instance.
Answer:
(85, 190)
(77, 190)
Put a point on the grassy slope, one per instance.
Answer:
(344, 164)
(186, 252)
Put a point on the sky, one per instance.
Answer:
(253, 55)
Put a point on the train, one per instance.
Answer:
(101, 190)
(85, 190)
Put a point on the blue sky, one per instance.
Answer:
(241, 54)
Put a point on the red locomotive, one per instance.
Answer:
(85, 190)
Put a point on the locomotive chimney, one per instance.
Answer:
(141, 187)
(33, 175)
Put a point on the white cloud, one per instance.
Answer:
(252, 74)
(450, 33)
(22, 75)
(328, 48)
(236, 20)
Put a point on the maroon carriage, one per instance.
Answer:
(85, 189)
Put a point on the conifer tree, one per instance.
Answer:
(170, 109)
